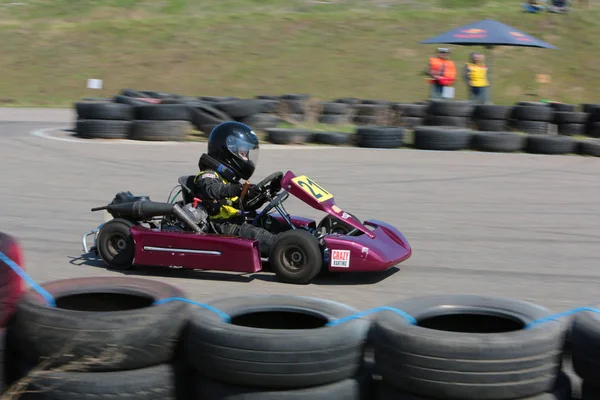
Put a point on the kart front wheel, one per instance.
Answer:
(115, 244)
(296, 256)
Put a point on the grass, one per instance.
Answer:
(329, 49)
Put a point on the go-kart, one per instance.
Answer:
(179, 234)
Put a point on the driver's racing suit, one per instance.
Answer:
(220, 198)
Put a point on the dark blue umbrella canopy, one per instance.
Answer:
(488, 32)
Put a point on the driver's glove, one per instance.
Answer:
(253, 191)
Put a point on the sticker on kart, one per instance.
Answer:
(340, 258)
(312, 188)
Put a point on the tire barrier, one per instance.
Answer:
(544, 128)
(136, 338)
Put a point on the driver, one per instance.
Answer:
(232, 155)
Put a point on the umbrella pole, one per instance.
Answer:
(489, 65)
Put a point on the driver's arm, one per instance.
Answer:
(209, 186)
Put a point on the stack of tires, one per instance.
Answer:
(531, 117)
(491, 118)
(103, 119)
(409, 115)
(593, 122)
(276, 347)
(11, 289)
(161, 122)
(469, 348)
(453, 113)
(105, 338)
(334, 113)
(585, 347)
(294, 107)
(372, 112)
(569, 121)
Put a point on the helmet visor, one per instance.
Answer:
(245, 150)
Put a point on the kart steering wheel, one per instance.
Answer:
(271, 184)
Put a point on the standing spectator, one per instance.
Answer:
(442, 72)
(476, 76)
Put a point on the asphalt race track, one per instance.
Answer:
(520, 226)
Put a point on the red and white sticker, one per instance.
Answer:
(340, 258)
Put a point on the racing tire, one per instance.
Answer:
(562, 391)
(115, 245)
(153, 383)
(275, 342)
(208, 389)
(296, 256)
(468, 347)
(100, 324)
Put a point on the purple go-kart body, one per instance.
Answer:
(367, 247)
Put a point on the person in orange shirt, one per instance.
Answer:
(442, 72)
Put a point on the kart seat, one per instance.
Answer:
(187, 183)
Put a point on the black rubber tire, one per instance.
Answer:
(133, 101)
(289, 106)
(531, 127)
(585, 345)
(216, 99)
(532, 104)
(120, 258)
(491, 112)
(593, 129)
(564, 117)
(550, 144)
(332, 138)
(532, 113)
(450, 108)
(240, 108)
(288, 136)
(208, 389)
(590, 147)
(441, 138)
(261, 121)
(332, 108)
(268, 352)
(448, 362)
(562, 391)
(160, 131)
(204, 114)
(563, 107)
(503, 142)
(491, 125)
(153, 383)
(305, 244)
(104, 110)
(267, 106)
(382, 137)
(132, 93)
(571, 129)
(110, 319)
(103, 128)
(333, 119)
(376, 102)
(164, 112)
(348, 100)
(442, 120)
(415, 110)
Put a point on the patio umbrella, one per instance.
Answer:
(488, 33)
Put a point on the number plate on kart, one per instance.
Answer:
(312, 188)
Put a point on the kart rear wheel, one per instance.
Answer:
(296, 256)
(115, 244)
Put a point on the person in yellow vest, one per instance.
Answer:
(232, 155)
(441, 72)
(476, 76)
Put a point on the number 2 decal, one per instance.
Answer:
(312, 188)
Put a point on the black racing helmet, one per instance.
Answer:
(235, 145)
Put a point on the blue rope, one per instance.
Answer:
(559, 315)
(224, 316)
(23, 275)
(361, 314)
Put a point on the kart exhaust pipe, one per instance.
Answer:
(140, 210)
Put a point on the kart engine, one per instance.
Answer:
(197, 214)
